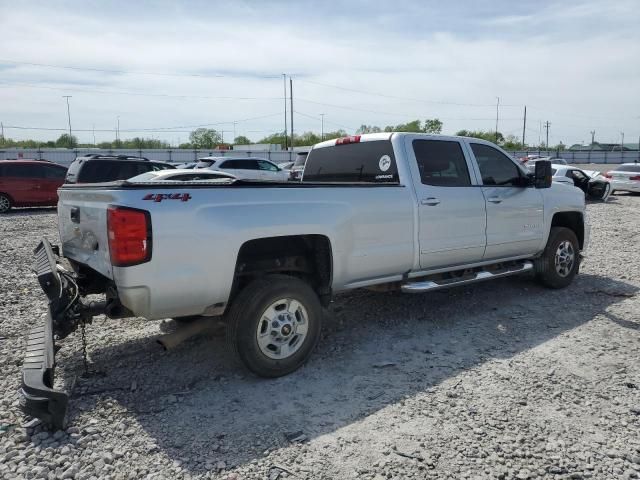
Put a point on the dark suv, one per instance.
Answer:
(97, 168)
(29, 183)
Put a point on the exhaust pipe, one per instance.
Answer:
(169, 341)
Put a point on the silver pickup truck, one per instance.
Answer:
(382, 211)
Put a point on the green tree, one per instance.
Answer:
(368, 129)
(205, 138)
(432, 125)
(274, 139)
(415, 127)
(67, 141)
(307, 138)
(512, 143)
(484, 135)
(241, 140)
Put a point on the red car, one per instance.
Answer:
(29, 183)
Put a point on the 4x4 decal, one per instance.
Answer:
(158, 197)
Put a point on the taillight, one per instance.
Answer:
(129, 231)
(607, 175)
(637, 177)
(348, 140)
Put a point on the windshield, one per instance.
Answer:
(300, 160)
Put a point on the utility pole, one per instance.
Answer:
(118, 128)
(234, 131)
(284, 80)
(94, 134)
(546, 126)
(2, 131)
(67, 97)
(622, 142)
(593, 138)
(322, 127)
(524, 125)
(291, 98)
(497, 108)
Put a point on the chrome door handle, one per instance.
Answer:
(494, 199)
(430, 201)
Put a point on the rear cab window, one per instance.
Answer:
(369, 161)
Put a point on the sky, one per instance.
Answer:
(164, 68)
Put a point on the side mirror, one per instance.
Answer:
(542, 175)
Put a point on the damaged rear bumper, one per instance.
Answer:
(39, 398)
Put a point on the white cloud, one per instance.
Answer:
(572, 65)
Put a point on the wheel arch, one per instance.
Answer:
(573, 221)
(308, 257)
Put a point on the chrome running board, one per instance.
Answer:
(429, 285)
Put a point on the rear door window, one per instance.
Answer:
(441, 163)
(371, 162)
(267, 166)
(23, 171)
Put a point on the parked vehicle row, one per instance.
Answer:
(28, 183)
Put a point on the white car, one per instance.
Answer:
(591, 182)
(531, 163)
(625, 178)
(180, 174)
(245, 168)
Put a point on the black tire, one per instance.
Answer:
(545, 266)
(246, 314)
(5, 203)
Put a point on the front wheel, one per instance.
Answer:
(560, 261)
(274, 324)
(5, 203)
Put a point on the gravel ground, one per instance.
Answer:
(499, 380)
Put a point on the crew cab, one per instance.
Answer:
(412, 212)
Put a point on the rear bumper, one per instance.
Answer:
(39, 399)
(622, 186)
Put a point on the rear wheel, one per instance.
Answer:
(560, 261)
(5, 203)
(274, 324)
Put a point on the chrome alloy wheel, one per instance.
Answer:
(565, 258)
(282, 328)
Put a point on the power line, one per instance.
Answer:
(377, 112)
(174, 129)
(395, 97)
(321, 118)
(137, 94)
(133, 72)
